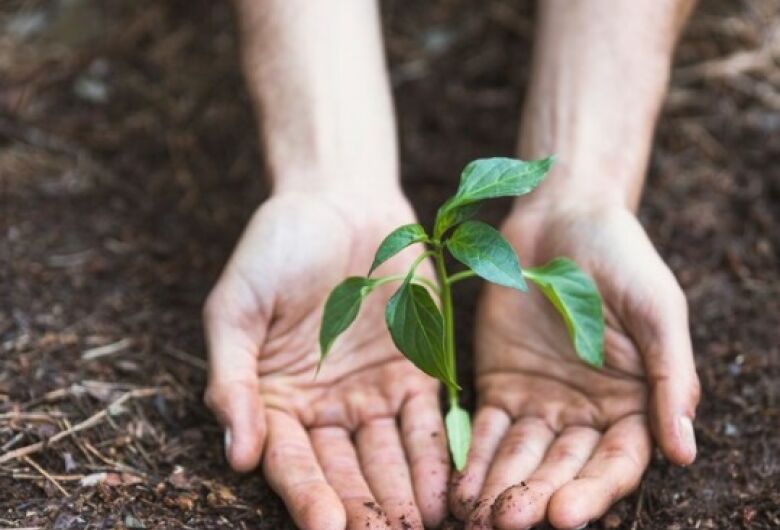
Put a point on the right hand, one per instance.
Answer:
(363, 444)
(554, 438)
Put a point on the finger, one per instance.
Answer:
(426, 450)
(339, 462)
(232, 393)
(524, 504)
(519, 454)
(665, 342)
(291, 469)
(613, 471)
(384, 466)
(490, 424)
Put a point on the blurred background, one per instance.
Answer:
(129, 164)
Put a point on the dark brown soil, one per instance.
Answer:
(129, 165)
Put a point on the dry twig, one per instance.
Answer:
(108, 349)
(113, 464)
(59, 478)
(179, 355)
(639, 505)
(90, 422)
(45, 474)
(50, 417)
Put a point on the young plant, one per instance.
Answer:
(424, 330)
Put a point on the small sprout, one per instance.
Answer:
(422, 331)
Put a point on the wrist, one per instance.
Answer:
(536, 227)
(368, 182)
(550, 206)
(597, 116)
(567, 189)
(596, 159)
(361, 206)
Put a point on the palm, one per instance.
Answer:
(292, 254)
(523, 348)
(562, 431)
(364, 377)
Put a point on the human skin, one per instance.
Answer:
(553, 438)
(363, 443)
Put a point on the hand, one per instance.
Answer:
(554, 438)
(363, 444)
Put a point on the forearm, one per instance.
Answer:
(599, 76)
(317, 75)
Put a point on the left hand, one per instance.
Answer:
(362, 445)
(553, 438)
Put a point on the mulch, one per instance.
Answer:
(129, 165)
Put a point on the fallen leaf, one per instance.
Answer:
(70, 462)
(184, 501)
(93, 480)
(180, 479)
(219, 495)
(132, 522)
(110, 479)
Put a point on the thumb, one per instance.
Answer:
(233, 393)
(663, 337)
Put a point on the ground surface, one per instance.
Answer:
(128, 166)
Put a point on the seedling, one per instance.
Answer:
(423, 330)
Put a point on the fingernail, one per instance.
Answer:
(228, 441)
(583, 525)
(687, 435)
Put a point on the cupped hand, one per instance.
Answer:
(362, 445)
(553, 438)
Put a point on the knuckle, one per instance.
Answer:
(421, 430)
(226, 304)
(215, 397)
(533, 426)
(613, 490)
(343, 465)
(290, 454)
(397, 499)
(614, 452)
(677, 298)
(611, 452)
(514, 443)
(695, 390)
(464, 488)
(564, 453)
(482, 430)
(210, 309)
(388, 459)
(343, 473)
(625, 486)
(219, 393)
(663, 299)
(209, 397)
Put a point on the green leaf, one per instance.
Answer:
(417, 328)
(488, 178)
(577, 299)
(458, 435)
(399, 239)
(451, 214)
(341, 309)
(484, 250)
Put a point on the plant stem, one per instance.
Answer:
(400, 277)
(419, 260)
(462, 275)
(445, 294)
(420, 279)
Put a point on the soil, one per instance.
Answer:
(129, 165)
